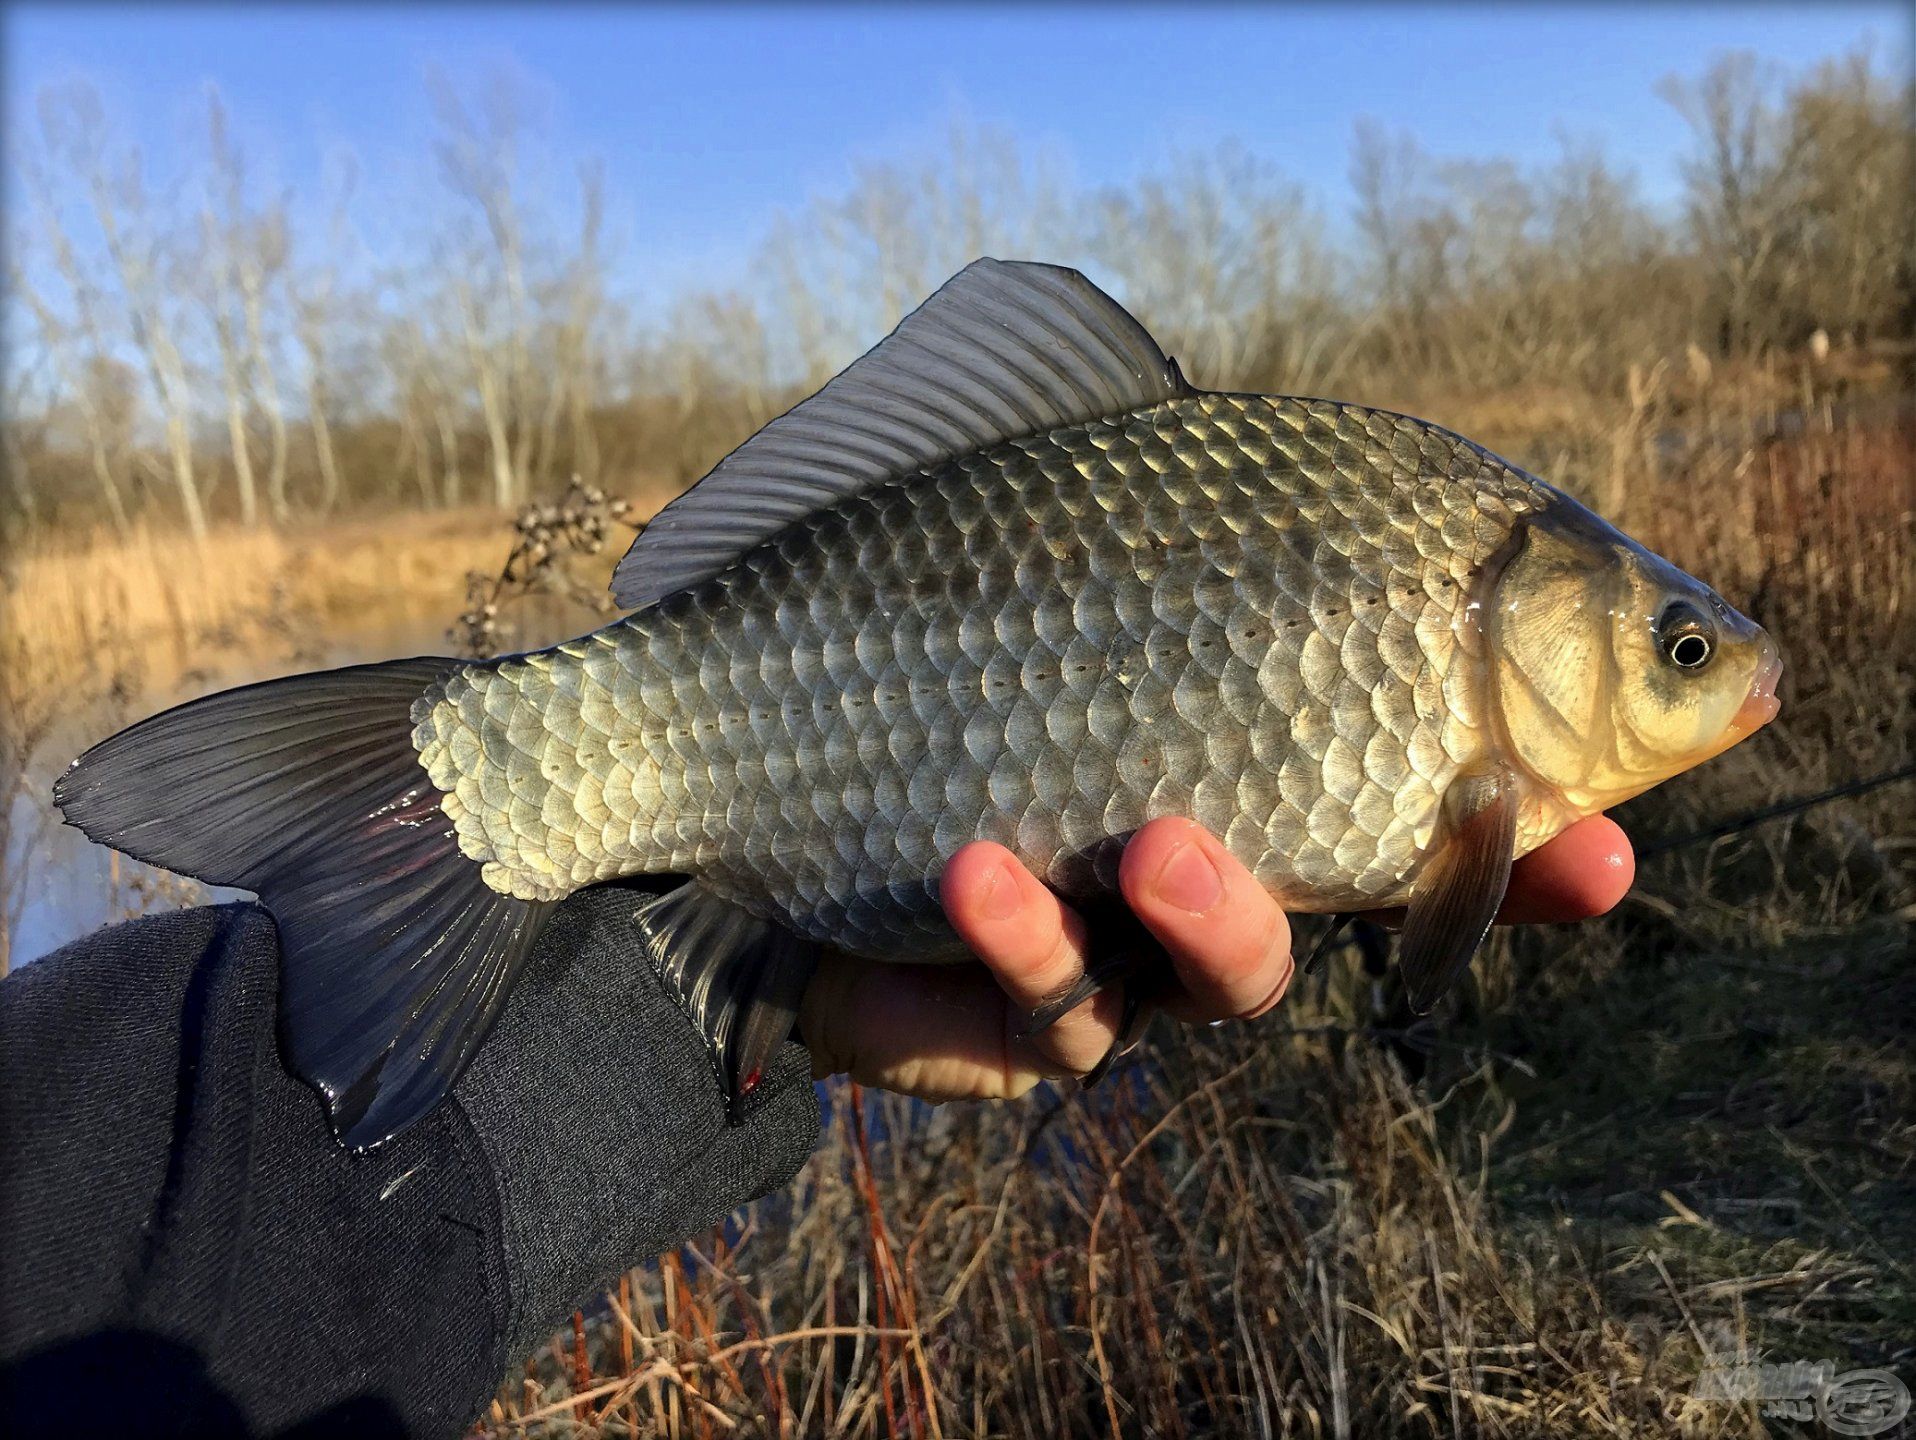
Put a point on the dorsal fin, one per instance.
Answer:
(1003, 349)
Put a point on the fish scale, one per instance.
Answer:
(1241, 609)
(1006, 577)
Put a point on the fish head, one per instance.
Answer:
(1614, 670)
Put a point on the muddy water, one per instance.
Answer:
(72, 886)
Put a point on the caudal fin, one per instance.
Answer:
(397, 956)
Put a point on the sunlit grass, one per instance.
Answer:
(1644, 1145)
(150, 611)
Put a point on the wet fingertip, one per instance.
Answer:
(1610, 881)
(1604, 867)
(1577, 875)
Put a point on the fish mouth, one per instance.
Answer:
(1761, 704)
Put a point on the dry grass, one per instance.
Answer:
(153, 612)
(1677, 1137)
(97, 633)
(1256, 1233)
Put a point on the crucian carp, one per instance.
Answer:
(1008, 577)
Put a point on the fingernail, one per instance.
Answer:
(1189, 880)
(1000, 900)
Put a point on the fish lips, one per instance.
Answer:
(1761, 705)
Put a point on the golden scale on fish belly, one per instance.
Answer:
(1007, 577)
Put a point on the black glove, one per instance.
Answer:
(186, 1242)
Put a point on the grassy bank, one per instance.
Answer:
(147, 614)
(1676, 1138)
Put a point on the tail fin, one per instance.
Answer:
(397, 957)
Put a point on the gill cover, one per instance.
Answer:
(1613, 669)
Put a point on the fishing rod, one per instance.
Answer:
(1775, 812)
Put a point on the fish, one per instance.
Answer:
(1008, 577)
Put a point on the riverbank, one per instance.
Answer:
(1674, 1139)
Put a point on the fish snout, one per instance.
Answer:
(1761, 704)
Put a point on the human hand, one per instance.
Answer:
(957, 1031)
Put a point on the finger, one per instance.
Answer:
(1580, 873)
(1033, 943)
(935, 1031)
(1230, 942)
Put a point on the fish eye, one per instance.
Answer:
(1686, 636)
(1690, 651)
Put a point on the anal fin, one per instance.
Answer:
(1457, 895)
(738, 978)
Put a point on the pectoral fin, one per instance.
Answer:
(1461, 886)
(739, 979)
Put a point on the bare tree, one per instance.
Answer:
(75, 352)
(849, 267)
(714, 367)
(75, 346)
(1610, 292)
(73, 126)
(426, 389)
(484, 356)
(1407, 237)
(1738, 201)
(1853, 195)
(578, 303)
(312, 325)
(1223, 258)
(1381, 171)
(246, 259)
(315, 301)
(478, 154)
(220, 287)
(24, 431)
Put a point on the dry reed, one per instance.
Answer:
(1666, 1141)
(1672, 1139)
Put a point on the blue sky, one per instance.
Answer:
(709, 121)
